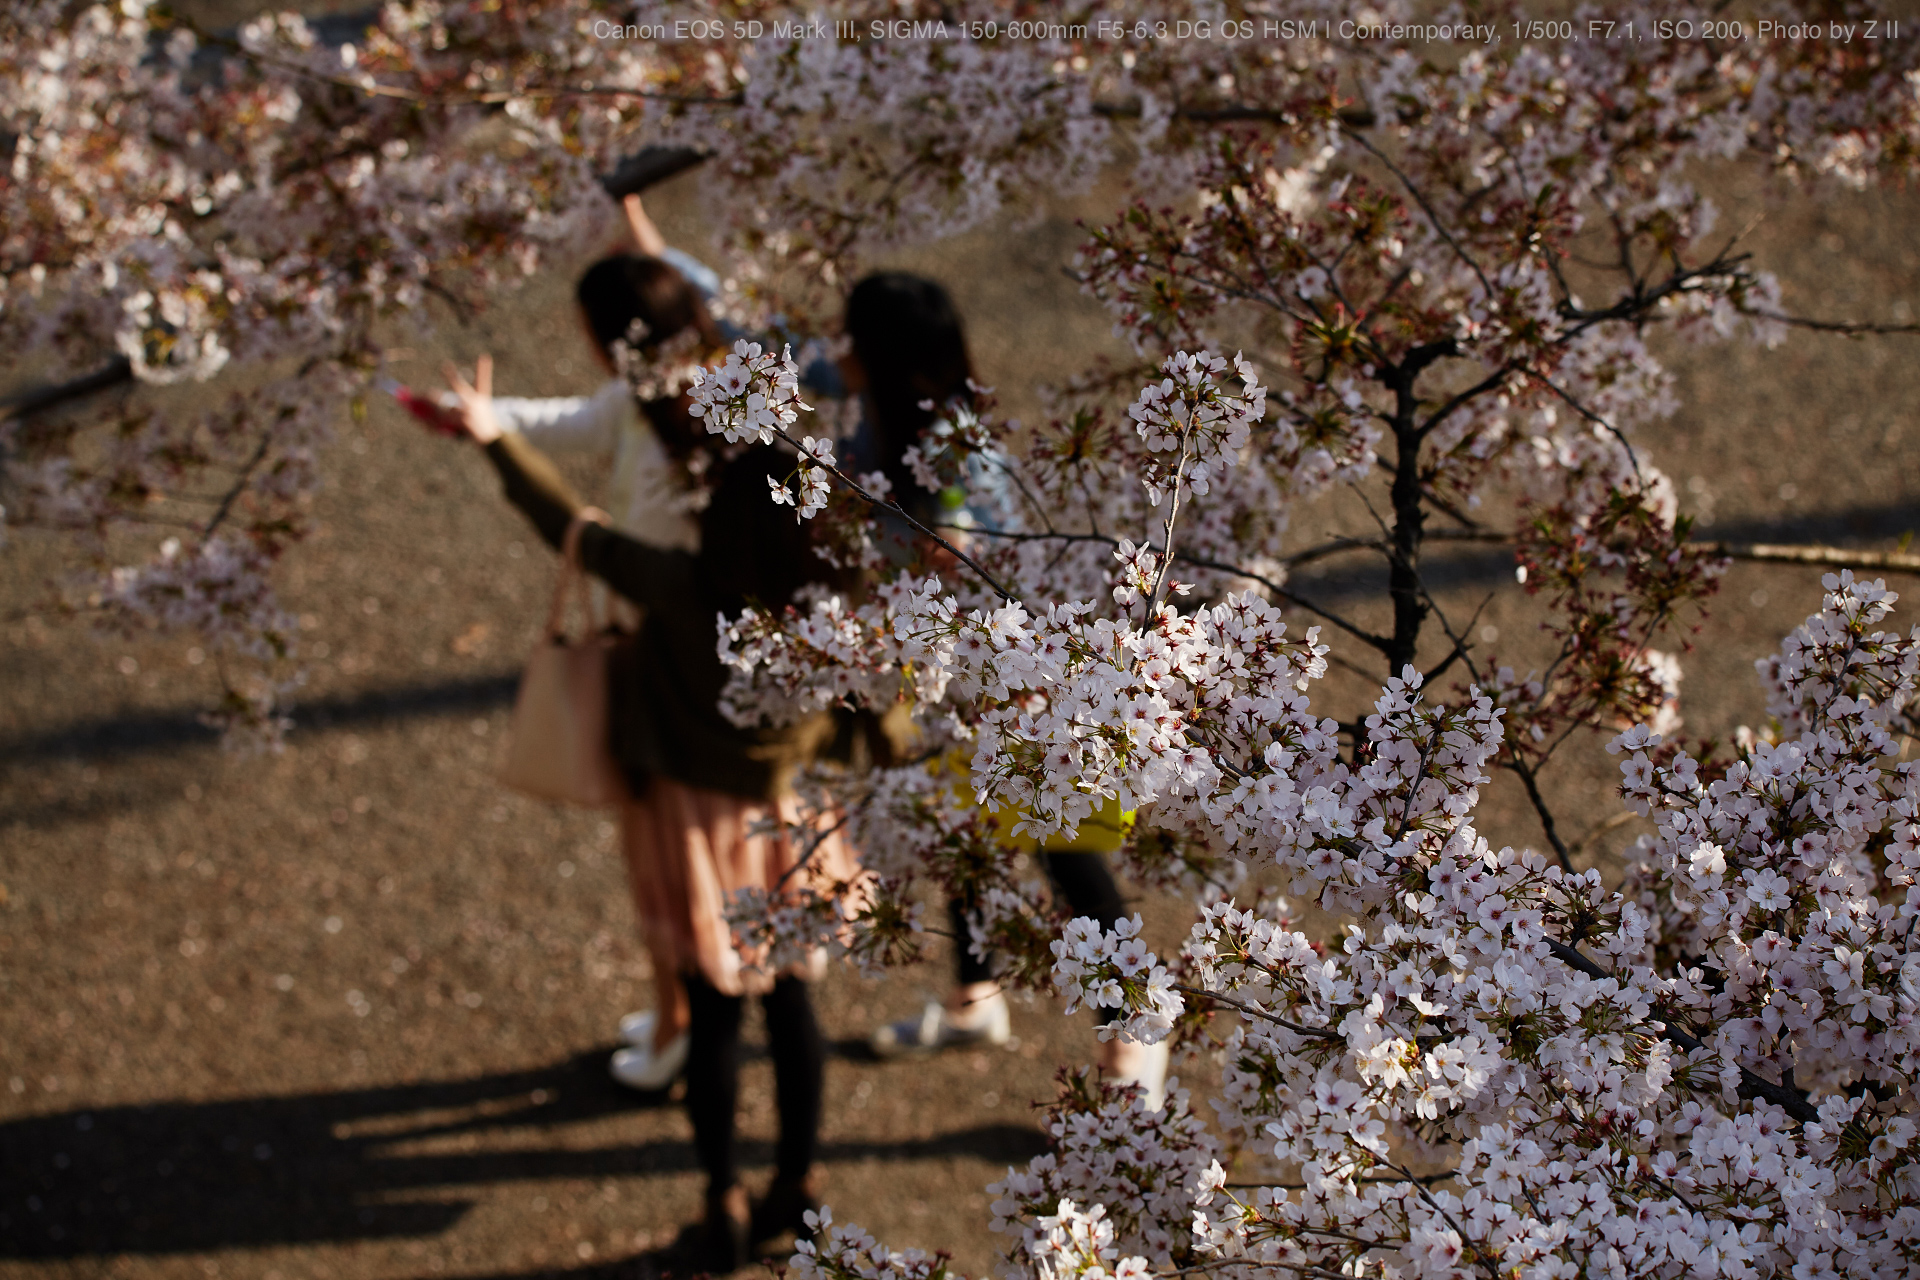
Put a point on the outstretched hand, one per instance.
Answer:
(475, 412)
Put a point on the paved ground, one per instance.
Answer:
(344, 1012)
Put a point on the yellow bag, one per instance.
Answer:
(1100, 832)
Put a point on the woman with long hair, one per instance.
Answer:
(634, 305)
(909, 362)
(711, 810)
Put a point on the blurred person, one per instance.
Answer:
(643, 300)
(712, 812)
(908, 362)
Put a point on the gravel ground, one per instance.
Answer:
(344, 1012)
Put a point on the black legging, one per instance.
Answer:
(1083, 879)
(713, 1075)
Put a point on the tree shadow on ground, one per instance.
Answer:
(1444, 567)
(364, 1164)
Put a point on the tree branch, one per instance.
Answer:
(1353, 117)
(1520, 767)
(1760, 552)
(1198, 562)
(239, 485)
(1836, 557)
(1851, 328)
(1433, 217)
(1312, 1033)
(1751, 1086)
(1589, 415)
(900, 511)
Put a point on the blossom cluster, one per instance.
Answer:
(658, 371)
(1605, 1109)
(842, 1251)
(1114, 970)
(1138, 1167)
(1187, 414)
(200, 206)
(753, 395)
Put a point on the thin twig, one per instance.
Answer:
(239, 485)
(1519, 766)
(1479, 388)
(1479, 1251)
(1852, 328)
(1166, 530)
(1314, 1033)
(1425, 1179)
(1419, 776)
(1461, 648)
(1837, 557)
(1198, 562)
(900, 511)
(1353, 117)
(1590, 416)
(1439, 226)
(1758, 552)
(811, 850)
(1469, 527)
(1379, 642)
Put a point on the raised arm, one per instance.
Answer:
(650, 576)
(647, 575)
(646, 236)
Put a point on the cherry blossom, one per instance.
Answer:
(1502, 1064)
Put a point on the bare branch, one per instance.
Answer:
(1433, 217)
(1588, 414)
(897, 509)
(1353, 117)
(239, 485)
(1198, 562)
(1539, 802)
(1763, 552)
(1851, 328)
(1312, 1033)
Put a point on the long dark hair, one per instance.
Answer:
(618, 291)
(909, 339)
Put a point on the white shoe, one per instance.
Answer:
(637, 1028)
(640, 1066)
(1150, 1074)
(988, 1022)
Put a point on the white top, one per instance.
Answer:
(645, 495)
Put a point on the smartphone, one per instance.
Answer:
(426, 406)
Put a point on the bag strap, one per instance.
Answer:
(571, 574)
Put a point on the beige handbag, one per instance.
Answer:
(558, 748)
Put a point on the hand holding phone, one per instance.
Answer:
(439, 417)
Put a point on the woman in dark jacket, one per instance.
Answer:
(703, 790)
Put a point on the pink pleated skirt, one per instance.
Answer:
(689, 850)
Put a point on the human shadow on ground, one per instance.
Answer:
(362, 1164)
(657, 1264)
